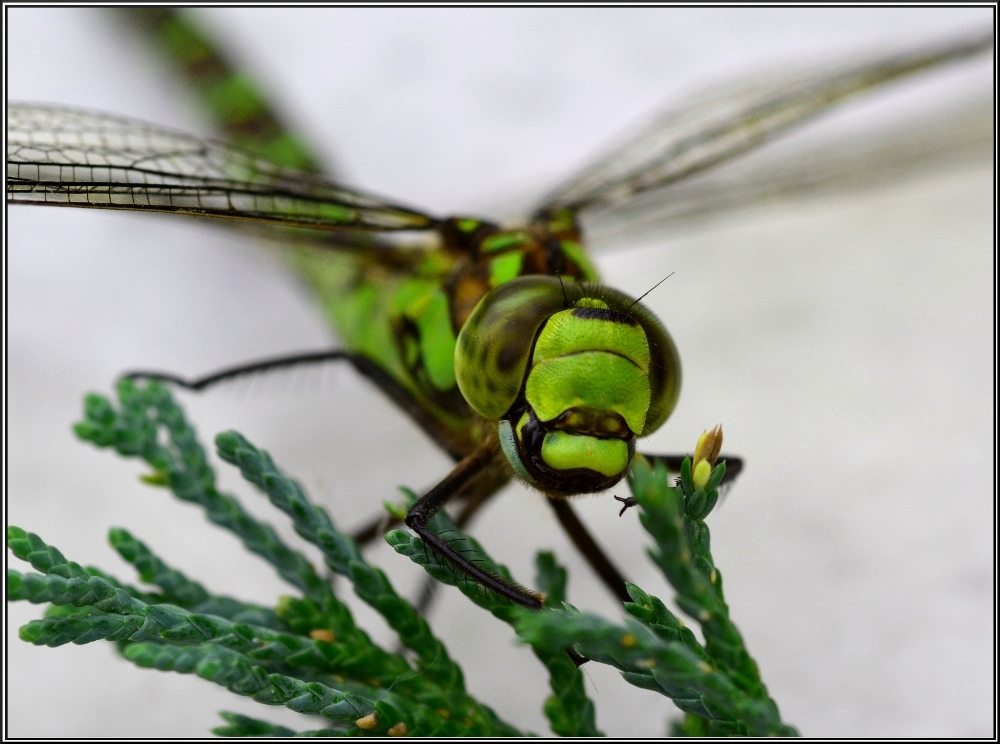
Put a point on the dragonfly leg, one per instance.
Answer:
(734, 465)
(589, 548)
(427, 593)
(364, 366)
(475, 498)
(425, 508)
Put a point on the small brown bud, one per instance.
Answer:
(705, 453)
(398, 730)
(709, 446)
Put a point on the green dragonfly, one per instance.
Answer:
(496, 340)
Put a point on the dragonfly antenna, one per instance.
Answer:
(563, 287)
(653, 287)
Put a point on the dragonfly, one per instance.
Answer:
(497, 340)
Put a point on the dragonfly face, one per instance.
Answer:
(572, 374)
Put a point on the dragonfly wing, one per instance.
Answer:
(730, 120)
(781, 175)
(79, 158)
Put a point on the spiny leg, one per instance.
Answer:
(425, 597)
(588, 547)
(436, 498)
(474, 497)
(381, 524)
(365, 366)
(425, 508)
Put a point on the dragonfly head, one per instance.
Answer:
(572, 373)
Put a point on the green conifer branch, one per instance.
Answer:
(352, 713)
(343, 556)
(695, 685)
(569, 710)
(346, 708)
(118, 611)
(683, 554)
(308, 655)
(182, 467)
(414, 548)
(440, 681)
(240, 725)
(674, 517)
(651, 611)
(179, 590)
(123, 618)
(31, 548)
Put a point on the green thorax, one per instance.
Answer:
(404, 308)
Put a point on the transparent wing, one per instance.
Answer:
(785, 175)
(727, 121)
(79, 158)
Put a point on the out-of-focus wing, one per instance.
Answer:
(785, 175)
(727, 121)
(78, 158)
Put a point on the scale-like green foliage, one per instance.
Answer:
(569, 710)
(307, 653)
(718, 686)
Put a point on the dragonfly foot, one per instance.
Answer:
(630, 501)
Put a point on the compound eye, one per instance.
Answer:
(494, 346)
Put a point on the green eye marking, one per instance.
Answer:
(506, 267)
(593, 379)
(494, 345)
(568, 333)
(468, 226)
(564, 451)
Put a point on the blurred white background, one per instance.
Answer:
(846, 345)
